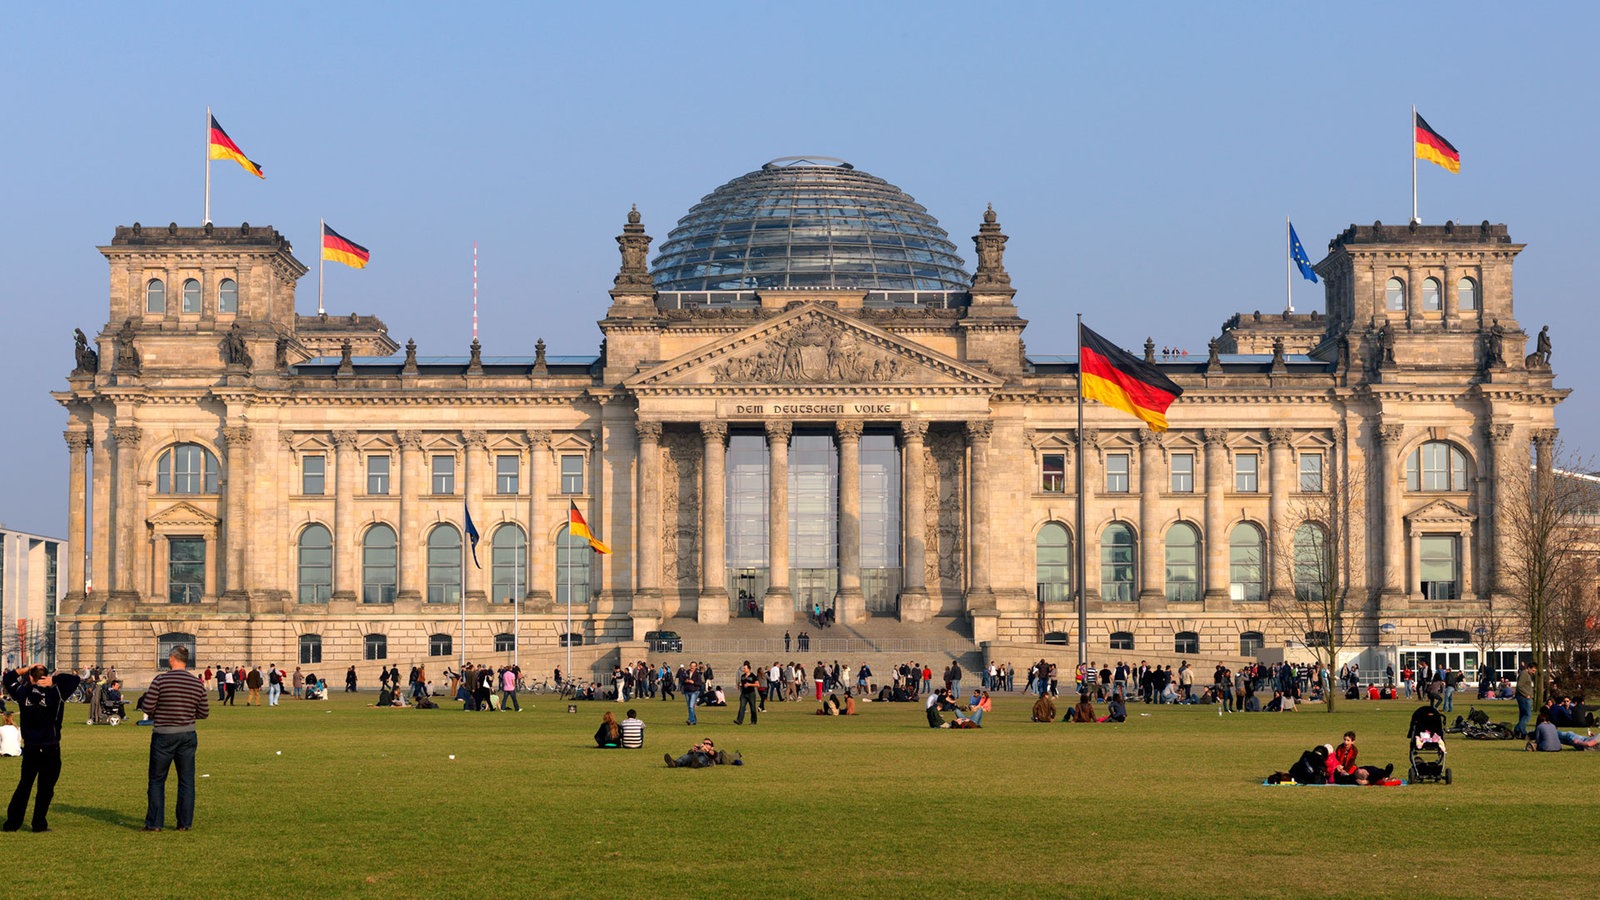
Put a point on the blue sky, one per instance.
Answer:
(1142, 160)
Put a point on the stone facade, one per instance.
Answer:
(234, 464)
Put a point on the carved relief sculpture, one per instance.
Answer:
(816, 352)
(128, 361)
(234, 350)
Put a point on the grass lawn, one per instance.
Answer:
(337, 798)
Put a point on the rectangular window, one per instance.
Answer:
(1245, 472)
(1311, 473)
(507, 474)
(572, 474)
(1116, 473)
(1054, 479)
(313, 474)
(186, 569)
(1183, 473)
(1439, 569)
(444, 474)
(378, 475)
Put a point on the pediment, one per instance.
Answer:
(183, 515)
(1440, 511)
(813, 347)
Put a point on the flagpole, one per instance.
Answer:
(207, 220)
(1414, 216)
(566, 569)
(461, 592)
(1082, 555)
(1288, 264)
(322, 237)
(474, 290)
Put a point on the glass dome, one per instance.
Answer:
(808, 222)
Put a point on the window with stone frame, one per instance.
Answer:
(1117, 473)
(1246, 473)
(1053, 477)
(1311, 473)
(1182, 473)
(444, 474)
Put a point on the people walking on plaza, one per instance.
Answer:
(174, 701)
(692, 684)
(508, 689)
(274, 684)
(253, 682)
(42, 698)
(748, 682)
(350, 681)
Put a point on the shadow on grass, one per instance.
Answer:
(109, 816)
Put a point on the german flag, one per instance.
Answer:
(339, 249)
(1432, 147)
(223, 147)
(1117, 378)
(579, 528)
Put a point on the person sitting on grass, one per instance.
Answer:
(1342, 761)
(849, 706)
(1044, 709)
(700, 756)
(1083, 712)
(979, 707)
(714, 697)
(609, 735)
(1116, 709)
(830, 706)
(1547, 738)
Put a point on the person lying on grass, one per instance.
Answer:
(1547, 738)
(700, 756)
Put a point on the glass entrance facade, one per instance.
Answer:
(880, 522)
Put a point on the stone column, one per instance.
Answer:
(1391, 554)
(236, 533)
(778, 605)
(914, 602)
(345, 463)
(1216, 575)
(1413, 296)
(410, 552)
(980, 592)
(1448, 298)
(102, 528)
(474, 454)
(647, 593)
(1280, 482)
(712, 608)
(1152, 565)
(850, 602)
(77, 489)
(127, 529)
(1496, 492)
(541, 557)
(1093, 474)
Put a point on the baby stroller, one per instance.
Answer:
(103, 710)
(1425, 746)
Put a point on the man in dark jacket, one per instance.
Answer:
(43, 699)
(748, 682)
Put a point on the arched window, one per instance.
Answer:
(1436, 466)
(1451, 636)
(1246, 573)
(1117, 555)
(505, 642)
(1394, 294)
(1122, 640)
(1052, 553)
(376, 646)
(186, 469)
(228, 296)
(1057, 638)
(508, 562)
(1430, 295)
(310, 649)
(444, 564)
(1251, 643)
(378, 558)
(1183, 563)
(440, 644)
(1313, 563)
(1466, 294)
(191, 295)
(316, 564)
(170, 640)
(155, 296)
(1186, 642)
(572, 568)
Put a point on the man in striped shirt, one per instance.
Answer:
(176, 698)
(632, 731)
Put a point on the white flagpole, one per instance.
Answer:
(566, 569)
(1081, 553)
(1414, 216)
(461, 589)
(207, 220)
(1288, 263)
(474, 290)
(322, 233)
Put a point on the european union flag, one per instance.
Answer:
(472, 535)
(1297, 254)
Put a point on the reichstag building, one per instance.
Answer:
(805, 399)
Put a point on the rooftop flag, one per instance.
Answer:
(1432, 146)
(1297, 255)
(222, 147)
(338, 248)
(1119, 379)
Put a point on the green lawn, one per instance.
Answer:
(337, 798)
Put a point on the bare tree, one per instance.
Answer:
(1548, 521)
(1313, 551)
